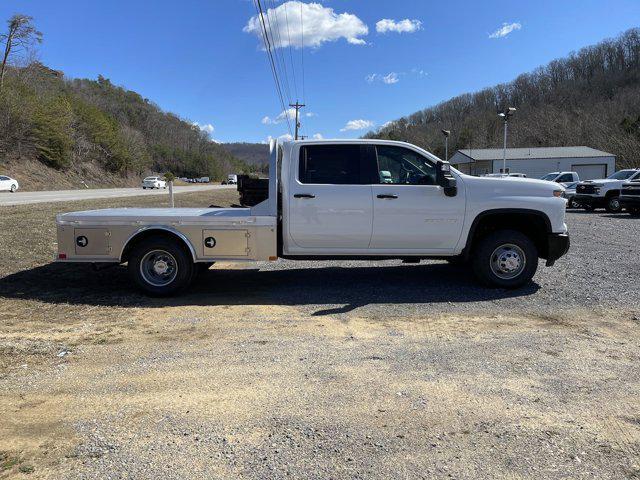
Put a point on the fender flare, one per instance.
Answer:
(161, 228)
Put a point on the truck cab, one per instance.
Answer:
(333, 200)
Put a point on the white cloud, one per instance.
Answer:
(402, 26)
(208, 128)
(318, 136)
(282, 117)
(419, 72)
(505, 30)
(357, 125)
(319, 25)
(389, 79)
(285, 138)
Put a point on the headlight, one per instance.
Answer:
(558, 193)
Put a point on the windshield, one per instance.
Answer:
(622, 175)
(550, 177)
(151, 178)
(571, 185)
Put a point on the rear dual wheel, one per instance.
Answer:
(161, 267)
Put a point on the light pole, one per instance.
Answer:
(505, 116)
(446, 134)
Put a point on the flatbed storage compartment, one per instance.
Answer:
(210, 234)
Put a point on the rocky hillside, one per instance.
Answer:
(76, 131)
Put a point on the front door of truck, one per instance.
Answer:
(410, 211)
(330, 204)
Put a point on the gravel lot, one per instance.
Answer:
(321, 369)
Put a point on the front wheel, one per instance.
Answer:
(505, 259)
(613, 205)
(160, 267)
(573, 203)
(14, 188)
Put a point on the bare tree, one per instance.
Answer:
(21, 36)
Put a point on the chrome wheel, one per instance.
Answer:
(158, 268)
(508, 261)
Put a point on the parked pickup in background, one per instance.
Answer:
(565, 178)
(604, 193)
(630, 196)
(332, 200)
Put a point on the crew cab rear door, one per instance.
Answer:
(411, 213)
(330, 204)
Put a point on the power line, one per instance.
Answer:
(304, 98)
(277, 42)
(272, 62)
(293, 67)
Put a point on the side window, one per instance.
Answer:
(401, 166)
(567, 177)
(3, 178)
(330, 164)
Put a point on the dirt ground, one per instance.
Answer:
(310, 371)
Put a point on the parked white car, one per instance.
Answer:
(8, 184)
(153, 182)
(565, 178)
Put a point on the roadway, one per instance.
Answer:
(26, 198)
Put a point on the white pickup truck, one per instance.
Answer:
(605, 192)
(328, 200)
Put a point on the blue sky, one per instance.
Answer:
(196, 58)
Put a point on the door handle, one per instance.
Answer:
(391, 196)
(304, 195)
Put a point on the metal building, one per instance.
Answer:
(537, 162)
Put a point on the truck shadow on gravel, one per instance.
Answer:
(350, 286)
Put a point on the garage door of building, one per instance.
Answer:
(589, 172)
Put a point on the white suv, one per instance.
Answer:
(605, 192)
(153, 182)
(8, 183)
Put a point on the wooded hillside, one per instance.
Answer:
(254, 154)
(591, 98)
(85, 125)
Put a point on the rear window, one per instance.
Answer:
(330, 164)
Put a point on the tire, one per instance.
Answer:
(588, 208)
(144, 188)
(495, 265)
(573, 203)
(149, 258)
(613, 204)
(13, 188)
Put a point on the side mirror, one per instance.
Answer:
(446, 180)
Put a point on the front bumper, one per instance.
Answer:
(557, 245)
(629, 201)
(590, 200)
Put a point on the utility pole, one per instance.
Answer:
(297, 106)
